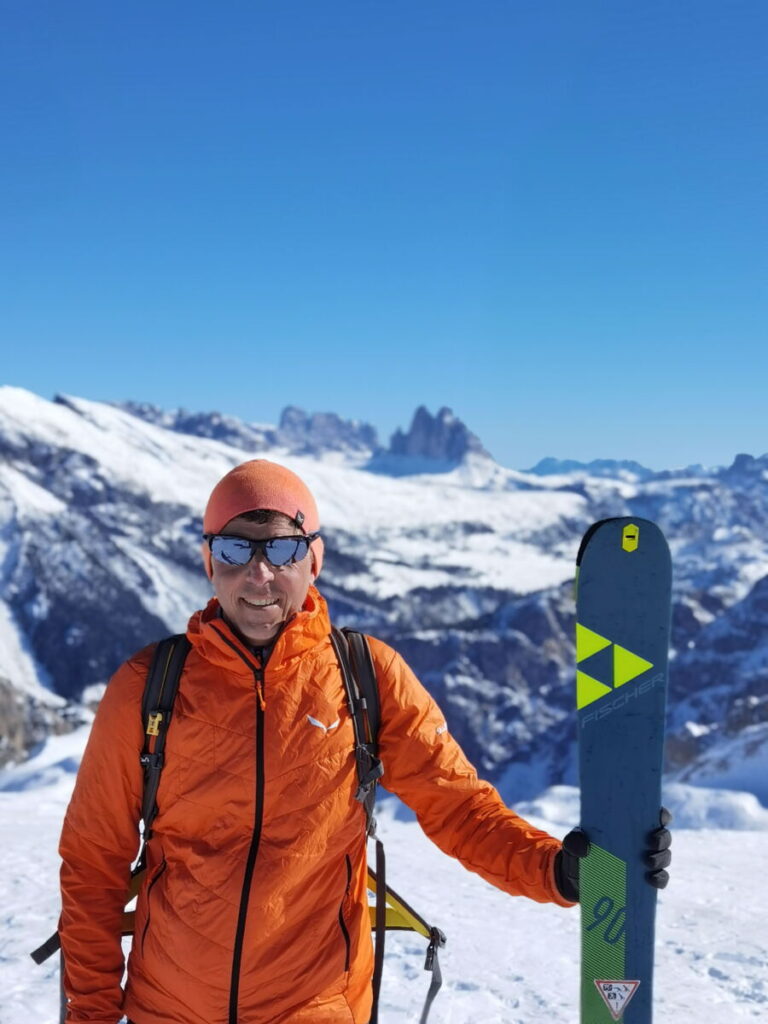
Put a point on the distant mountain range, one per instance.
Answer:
(464, 565)
(442, 438)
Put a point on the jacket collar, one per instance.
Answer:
(215, 641)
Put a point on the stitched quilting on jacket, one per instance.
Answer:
(254, 907)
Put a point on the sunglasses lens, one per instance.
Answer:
(282, 550)
(231, 550)
(239, 550)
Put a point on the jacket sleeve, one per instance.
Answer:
(462, 814)
(99, 841)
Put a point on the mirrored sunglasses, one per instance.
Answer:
(278, 551)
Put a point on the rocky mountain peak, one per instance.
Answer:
(747, 466)
(315, 432)
(300, 432)
(250, 437)
(443, 438)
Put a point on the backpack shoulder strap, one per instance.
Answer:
(365, 673)
(160, 688)
(359, 677)
(156, 711)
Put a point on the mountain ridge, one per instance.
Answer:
(467, 570)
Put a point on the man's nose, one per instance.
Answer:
(259, 568)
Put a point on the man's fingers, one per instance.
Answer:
(660, 839)
(662, 859)
(576, 843)
(658, 879)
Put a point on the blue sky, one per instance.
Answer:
(550, 216)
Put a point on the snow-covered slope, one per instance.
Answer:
(465, 566)
(507, 961)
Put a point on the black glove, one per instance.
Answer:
(576, 845)
(658, 854)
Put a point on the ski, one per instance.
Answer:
(623, 598)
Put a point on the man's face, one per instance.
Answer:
(258, 598)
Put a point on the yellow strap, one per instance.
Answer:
(398, 915)
(395, 919)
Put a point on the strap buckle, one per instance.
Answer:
(373, 773)
(154, 721)
(436, 941)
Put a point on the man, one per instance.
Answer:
(254, 905)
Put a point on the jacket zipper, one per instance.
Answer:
(250, 863)
(149, 893)
(342, 922)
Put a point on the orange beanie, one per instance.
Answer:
(260, 484)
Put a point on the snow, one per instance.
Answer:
(697, 729)
(702, 807)
(20, 498)
(174, 590)
(425, 501)
(17, 663)
(50, 771)
(140, 457)
(29, 497)
(507, 961)
(737, 763)
(692, 807)
(401, 564)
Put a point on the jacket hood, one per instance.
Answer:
(217, 642)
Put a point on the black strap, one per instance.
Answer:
(365, 674)
(48, 948)
(156, 711)
(63, 1001)
(381, 928)
(432, 964)
(159, 695)
(359, 677)
(363, 695)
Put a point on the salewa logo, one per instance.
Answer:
(326, 728)
(441, 729)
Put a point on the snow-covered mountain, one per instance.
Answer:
(625, 468)
(464, 565)
(298, 432)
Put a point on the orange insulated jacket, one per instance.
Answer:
(254, 907)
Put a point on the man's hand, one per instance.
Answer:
(576, 845)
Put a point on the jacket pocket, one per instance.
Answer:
(342, 906)
(148, 897)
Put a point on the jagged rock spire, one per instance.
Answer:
(442, 437)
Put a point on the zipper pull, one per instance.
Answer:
(260, 694)
(258, 675)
